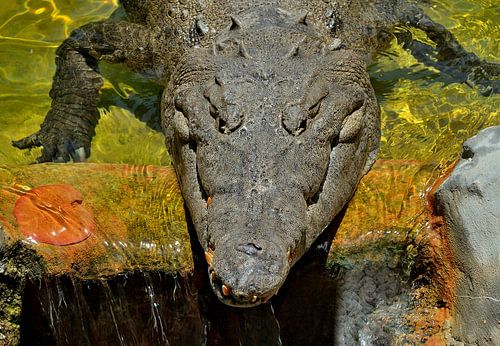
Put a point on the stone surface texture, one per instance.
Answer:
(469, 202)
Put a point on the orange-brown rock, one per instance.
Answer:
(137, 211)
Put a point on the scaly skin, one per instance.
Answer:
(269, 115)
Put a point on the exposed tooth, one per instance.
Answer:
(213, 276)
(208, 256)
(254, 299)
(226, 291)
(209, 201)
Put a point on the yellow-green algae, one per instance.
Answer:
(423, 118)
(138, 212)
(30, 32)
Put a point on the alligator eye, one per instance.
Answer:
(213, 95)
(215, 113)
(314, 109)
(220, 124)
(294, 120)
(225, 108)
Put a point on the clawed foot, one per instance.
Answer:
(485, 77)
(60, 148)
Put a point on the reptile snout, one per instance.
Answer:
(248, 273)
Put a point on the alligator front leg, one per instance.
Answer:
(69, 126)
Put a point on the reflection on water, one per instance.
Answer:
(424, 118)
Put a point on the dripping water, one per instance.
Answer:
(155, 308)
(277, 324)
(111, 302)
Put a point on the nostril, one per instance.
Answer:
(255, 246)
(249, 248)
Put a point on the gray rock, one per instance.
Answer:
(469, 201)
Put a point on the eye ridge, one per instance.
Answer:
(313, 110)
(214, 111)
(220, 123)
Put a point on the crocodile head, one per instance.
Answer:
(269, 133)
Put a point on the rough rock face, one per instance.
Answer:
(469, 201)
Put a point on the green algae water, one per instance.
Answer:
(424, 116)
(30, 32)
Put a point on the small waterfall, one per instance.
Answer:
(360, 303)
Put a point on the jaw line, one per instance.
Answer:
(247, 304)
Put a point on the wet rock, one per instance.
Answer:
(2, 239)
(139, 225)
(140, 249)
(129, 216)
(469, 201)
(17, 264)
(54, 214)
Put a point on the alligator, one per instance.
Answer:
(268, 112)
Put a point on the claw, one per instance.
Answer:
(48, 152)
(79, 155)
(28, 142)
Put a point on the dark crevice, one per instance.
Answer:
(204, 194)
(467, 153)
